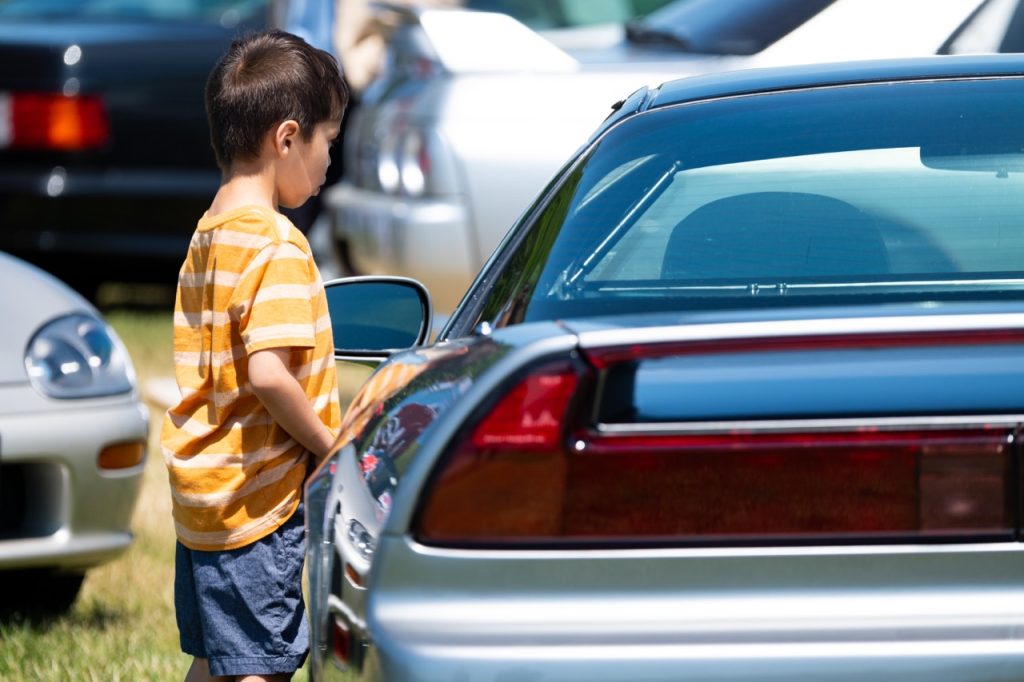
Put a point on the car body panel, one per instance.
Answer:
(24, 314)
(852, 31)
(935, 612)
(92, 512)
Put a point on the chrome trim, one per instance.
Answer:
(782, 288)
(338, 607)
(697, 551)
(787, 425)
(852, 326)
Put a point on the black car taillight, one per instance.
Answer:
(531, 472)
(52, 121)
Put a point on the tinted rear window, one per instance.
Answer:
(552, 14)
(861, 194)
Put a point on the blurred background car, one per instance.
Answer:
(73, 436)
(738, 397)
(367, 37)
(105, 156)
(464, 126)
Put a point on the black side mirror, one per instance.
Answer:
(374, 317)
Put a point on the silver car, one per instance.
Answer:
(739, 397)
(73, 437)
(438, 167)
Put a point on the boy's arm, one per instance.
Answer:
(281, 394)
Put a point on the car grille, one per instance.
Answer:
(31, 500)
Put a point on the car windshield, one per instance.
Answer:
(909, 192)
(554, 14)
(724, 26)
(225, 12)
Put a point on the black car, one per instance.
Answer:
(105, 160)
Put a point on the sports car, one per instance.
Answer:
(739, 396)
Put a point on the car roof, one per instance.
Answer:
(773, 79)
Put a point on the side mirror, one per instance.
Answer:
(374, 317)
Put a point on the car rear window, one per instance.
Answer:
(861, 194)
(554, 14)
(225, 12)
(726, 26)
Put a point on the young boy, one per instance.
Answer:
(253, 357)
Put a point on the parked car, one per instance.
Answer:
(566, 23)
(443, 159)
(72, 440)
(104, 146)
(737, 397)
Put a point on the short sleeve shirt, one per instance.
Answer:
(248, 283)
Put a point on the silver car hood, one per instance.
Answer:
(29, 297)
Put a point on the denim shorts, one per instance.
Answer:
(242, 609)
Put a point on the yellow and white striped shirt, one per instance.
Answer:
(248, 283)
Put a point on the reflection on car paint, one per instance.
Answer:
(394, 437)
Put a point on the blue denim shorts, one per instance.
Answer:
(242, 609)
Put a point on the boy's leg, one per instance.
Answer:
(200, 672)
(253, 620)
(186, 612)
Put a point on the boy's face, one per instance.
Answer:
(305, 168)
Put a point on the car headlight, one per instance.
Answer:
(78, 356)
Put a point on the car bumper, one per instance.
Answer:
(138, 220)
(429, 240)
(922, 613)
(59, 508)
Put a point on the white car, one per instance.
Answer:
(438, 167)
(73, 435)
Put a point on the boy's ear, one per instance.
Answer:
(284, 137)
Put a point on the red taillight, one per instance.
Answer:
(341, 642)
(52, 121)
(531, 416)
(507, 477)
(527, 474)
(804, 486)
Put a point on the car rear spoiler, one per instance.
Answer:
(470, 42)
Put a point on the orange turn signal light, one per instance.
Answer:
(122, 455)
(354, 577)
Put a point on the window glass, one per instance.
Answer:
(214, 11)
(729, 26)
(551, 14)
(906, 192)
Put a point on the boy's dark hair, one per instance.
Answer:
(263, 79)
